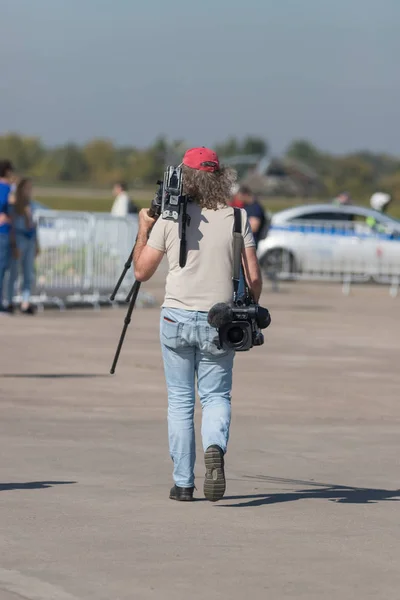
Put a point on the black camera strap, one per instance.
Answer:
(237, 249)
(183, 244)
(237, 256)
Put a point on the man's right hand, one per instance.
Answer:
(145, 220)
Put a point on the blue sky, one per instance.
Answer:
(130, 70)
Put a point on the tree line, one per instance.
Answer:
(100, 163)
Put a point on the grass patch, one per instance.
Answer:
(87, 204)
(143, 198)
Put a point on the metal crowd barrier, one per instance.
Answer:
(82, 256)
(345, 252)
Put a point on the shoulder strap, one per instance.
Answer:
(237, 248)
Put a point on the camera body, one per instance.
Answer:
(168, 200)
(239, 324)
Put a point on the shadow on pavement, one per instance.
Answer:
(32, 485)
(335, 493)
(53, 375)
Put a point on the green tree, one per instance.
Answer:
(391, 184)
(73, 164)
(24, 152)
(231, 147)
(142, 168)
(100, 157)
(305, 152)
(66, 163)
(254, 145)
(350, 173)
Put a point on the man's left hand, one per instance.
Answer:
(145, 221)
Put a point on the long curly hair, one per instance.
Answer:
(209, 189)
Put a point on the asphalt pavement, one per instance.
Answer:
(312, 504)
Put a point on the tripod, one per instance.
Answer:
(133, 294)
(131, 298)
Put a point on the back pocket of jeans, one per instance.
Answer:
(170, 332)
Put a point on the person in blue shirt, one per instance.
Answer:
(6, 178)
(257, 221)
(24, 240)
(254, 210)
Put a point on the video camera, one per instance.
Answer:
(169, 198)
(239, 324)
(168, 202)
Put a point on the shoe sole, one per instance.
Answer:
(214, 482)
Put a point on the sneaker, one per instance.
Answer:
(181, 494)
(214, 482)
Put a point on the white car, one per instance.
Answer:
(328, 239)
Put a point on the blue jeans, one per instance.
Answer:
(188, 350)
(5, 256)
(27, 250)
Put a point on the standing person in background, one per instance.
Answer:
(254, 210)
(24, 244)
(379, 202)
(6, 178)
(123, 205)
(344, 198)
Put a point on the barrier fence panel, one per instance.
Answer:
(82, 255)
(112, 241)
(61, 267)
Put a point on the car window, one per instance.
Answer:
(372, 225)
(323, 216)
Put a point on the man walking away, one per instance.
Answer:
(6, 177)
(187, 340)
(122, 205)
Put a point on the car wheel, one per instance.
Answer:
(278, 262)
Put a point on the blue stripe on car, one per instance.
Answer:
(333, 231)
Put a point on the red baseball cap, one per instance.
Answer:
(202, 159)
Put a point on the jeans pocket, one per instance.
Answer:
(170, 332)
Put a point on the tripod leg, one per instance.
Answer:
(135, 291)
(127, 266)
(131, 292)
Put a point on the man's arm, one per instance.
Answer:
(255, 224)
(145, 258)
(252, 272)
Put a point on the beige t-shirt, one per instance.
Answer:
(207, 276)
